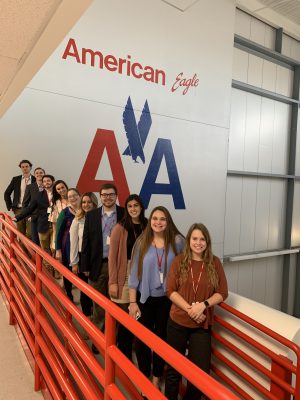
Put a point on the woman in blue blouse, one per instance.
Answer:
(152, 256)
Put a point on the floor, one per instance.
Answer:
(16, 377)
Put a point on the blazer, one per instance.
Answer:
(32, 191)
(92, 242)
(40, 204)
(15, 188)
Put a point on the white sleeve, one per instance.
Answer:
(74, 242)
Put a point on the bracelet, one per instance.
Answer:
(132, 302)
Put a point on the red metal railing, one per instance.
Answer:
(282, 372)
(64, 365)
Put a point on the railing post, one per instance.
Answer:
(12, 240)
(38, 311)
(283, 374)
(110, 340)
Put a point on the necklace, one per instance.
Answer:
(159, 263)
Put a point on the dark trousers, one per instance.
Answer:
(101, 284)
(198, 342)
(67, 284)
(155, 312)
(85, 301)
(34, 232)
(124, 336)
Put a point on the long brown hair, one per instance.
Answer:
(81, 213)
(146, 238)
(207, 256)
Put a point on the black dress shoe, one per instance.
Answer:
(94, 349)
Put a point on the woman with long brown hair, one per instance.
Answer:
(196, 283)
(122, 240)
(152, 256)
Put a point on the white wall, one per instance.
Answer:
(54, 121)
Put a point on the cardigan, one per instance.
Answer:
(117, 259)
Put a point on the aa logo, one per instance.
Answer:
(136, 134)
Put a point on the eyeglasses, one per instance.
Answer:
(108, 195)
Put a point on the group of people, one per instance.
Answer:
(168, 282)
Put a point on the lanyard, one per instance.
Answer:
(159, 259)
(192, 275)
(109, 226)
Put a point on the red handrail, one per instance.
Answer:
(49, 321)
(55, 343)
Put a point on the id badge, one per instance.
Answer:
(161, 275)
(108, 240)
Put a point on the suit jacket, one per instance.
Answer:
(32, 191)
(40, 204)
(92, 242)
(15, 188)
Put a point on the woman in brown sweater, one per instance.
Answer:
(196, 283)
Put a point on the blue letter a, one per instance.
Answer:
(162, 149)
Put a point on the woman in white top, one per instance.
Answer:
(88, 202)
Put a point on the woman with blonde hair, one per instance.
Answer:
(196, 283)
(152, 256)
(88, 202)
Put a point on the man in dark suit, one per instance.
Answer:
(17, 187)
(42, 205)
(95, 245)
(31, 193)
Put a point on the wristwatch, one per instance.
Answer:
(206, 303)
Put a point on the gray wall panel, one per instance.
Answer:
(232, 215)
(259, 282)
(262, 214)
(245, 279)
(296, 216)
(274, 282)
(242, 24)
(248, 215)
(252, 133)
(277, 214)
(240, 65)
(237, 129)
(282, 119)
(266, 136)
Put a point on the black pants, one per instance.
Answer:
(124, 336)
(85, 301)
(154, 316)
(67, 284)
(198, 341)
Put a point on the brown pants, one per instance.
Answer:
(23, 226)
(45, 241)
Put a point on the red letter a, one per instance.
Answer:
(87, 183)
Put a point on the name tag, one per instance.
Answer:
(108, 240)
(161, 275)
